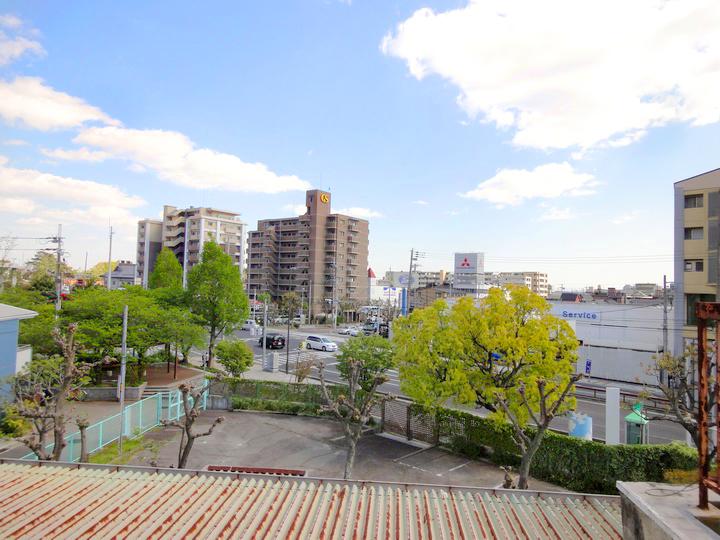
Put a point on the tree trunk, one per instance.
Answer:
(186, 452)
(352, 435)
(524, 471)
(84, 458)
(211, 347)
(182, 446)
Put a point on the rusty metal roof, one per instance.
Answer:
(49, 500)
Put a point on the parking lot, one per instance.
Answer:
(317, 446)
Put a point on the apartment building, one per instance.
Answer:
(149, 244)
(320, 255)
(697, 239)
(537, 282)
(420, 278)
(185, 231)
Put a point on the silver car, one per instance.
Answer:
(320, 343)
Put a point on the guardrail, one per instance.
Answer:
(597, 393)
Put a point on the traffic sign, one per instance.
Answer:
(588, 366)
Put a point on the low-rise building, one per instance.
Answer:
(537, 282)
(13, 356)
(123, 275)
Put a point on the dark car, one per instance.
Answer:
(273, 341)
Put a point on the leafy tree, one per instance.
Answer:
(42, 392)
(510, 355)
(44, 264)
(167, 272)
(100, 270)
(45, 285)
(363, 364)
(235, 356)
(216, 295)
(191, 399)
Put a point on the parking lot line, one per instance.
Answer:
(458, 467)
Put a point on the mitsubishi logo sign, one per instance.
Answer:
(465, 263)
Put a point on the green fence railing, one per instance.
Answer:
(140, 417)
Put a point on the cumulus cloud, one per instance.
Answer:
(557, 214)
(295, 209)
(13, 44)
(15, 142)
(29, 102)
(16, 205)
(549, 181)
(566, 74)
(358, 212)
(420, 203)
(79, 154)
(175, 158)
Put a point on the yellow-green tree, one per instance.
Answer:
(508, 354)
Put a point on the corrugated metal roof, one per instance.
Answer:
(69, 501)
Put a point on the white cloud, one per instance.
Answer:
(420, 203)
(16, 205)
(39, 186)
(549, 181)
(15, 142)
(174, 157)
(358, 212)
(14, 45)
(30, 221)
(10, 21)
(30, 102)
(624, 218)
(557, 214)
(79, 154)
(572, 74)
(296, 209)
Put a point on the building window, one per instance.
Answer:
(694, 201)
(693, 233)
(693, 265)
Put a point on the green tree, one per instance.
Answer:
(215, 294)
(235, 356)
(363, 364)
(100, 270)
(167, 272)
(44, 264)
(36, 331)
(510, 355)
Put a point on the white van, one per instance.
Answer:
(250, 324)
(320, 343)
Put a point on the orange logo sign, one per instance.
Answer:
(325, 198)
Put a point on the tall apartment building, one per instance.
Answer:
(320, 255)
(697, 239)
(537, 282)
(149, 244)
(185, 231)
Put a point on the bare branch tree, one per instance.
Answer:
(354, 408)
(82, 424)
(191, 399)
(542, 409)
(42, 393)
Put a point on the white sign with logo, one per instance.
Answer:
(469, 263)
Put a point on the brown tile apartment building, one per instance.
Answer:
(320, 255)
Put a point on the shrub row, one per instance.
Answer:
(274, 405)
(575, 464)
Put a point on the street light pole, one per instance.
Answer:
(123, 365)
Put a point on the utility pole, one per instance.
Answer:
(123, 365)
(264, 332)
(310, 300)
(58, 272)
(665, 315)
(109, 270)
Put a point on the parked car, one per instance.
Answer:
(369, 328)
(250, 324)
(354, 331)
(320, 343)
(344, 331)
(272, 341)
(280, 320)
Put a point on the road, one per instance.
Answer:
(661, 431)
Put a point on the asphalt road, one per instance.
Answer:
(660, 431)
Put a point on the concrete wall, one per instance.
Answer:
(109, 393)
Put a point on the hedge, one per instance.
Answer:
(573, 463)
(279, 391)
(288, 407)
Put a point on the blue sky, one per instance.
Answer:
(549, 139)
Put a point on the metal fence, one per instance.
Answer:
(140, 417)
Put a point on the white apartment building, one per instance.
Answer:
(537, 282)
(185, 232)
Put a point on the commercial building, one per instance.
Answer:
(419, 278)
(697, 239)
(469, 275)
(319, 255)
(185, 232)
(537, 282)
